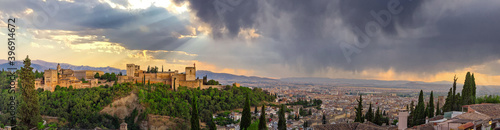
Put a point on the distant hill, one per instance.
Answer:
(254, 81)
(41, 65)
(321, 80)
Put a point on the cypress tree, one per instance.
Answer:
(378, 117)
(438, 112)
(431, 106)
(419, 116)
(282, 120)
(310, 112)
(29, 110)
(454, 100)
(473, 89)
(412, 114)
(262, 119)
(212, 125)
(369, 114)
(448, 101)
(324, 119)
(466, 91)
(255, 110)
(246, 117)
(359, 110)
(195, 121)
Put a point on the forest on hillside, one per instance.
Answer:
(79, 108)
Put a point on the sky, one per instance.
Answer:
(383, 40)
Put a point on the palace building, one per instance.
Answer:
(172, 78)
(67, 77)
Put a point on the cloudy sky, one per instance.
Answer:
(384, 40)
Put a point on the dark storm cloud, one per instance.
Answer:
(232, 15)
(152, 28)
(425, 37)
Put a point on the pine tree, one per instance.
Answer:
(262, 119)
(369, 114)
(246, 116)
(431, 106)
(282, 120)
(195, 121)
(359, 110)
(29, 109)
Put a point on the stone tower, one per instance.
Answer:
(59, 68)
(132, 69)
(190, 73)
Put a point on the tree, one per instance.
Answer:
(447, 104)
(310, 112)
(419, 112)
(97, 76)
(359, 110)
(195, 121)
(29, 110)
(412, 113)
(454, 100)
(147, 70)
(378, 117)
(212, 125)
(430, 110)
(262, 119)
(282, 120)
(255, 110)
(369, 114)
(438, 112)
(246, 117)
(324, 119)
(469, 90)
(473, 87)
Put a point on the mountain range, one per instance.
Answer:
(255, 81)
(41, 65)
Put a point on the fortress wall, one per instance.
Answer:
(191, 84)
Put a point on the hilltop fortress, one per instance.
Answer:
(172, 78)
(67, 77)
(78, 79)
